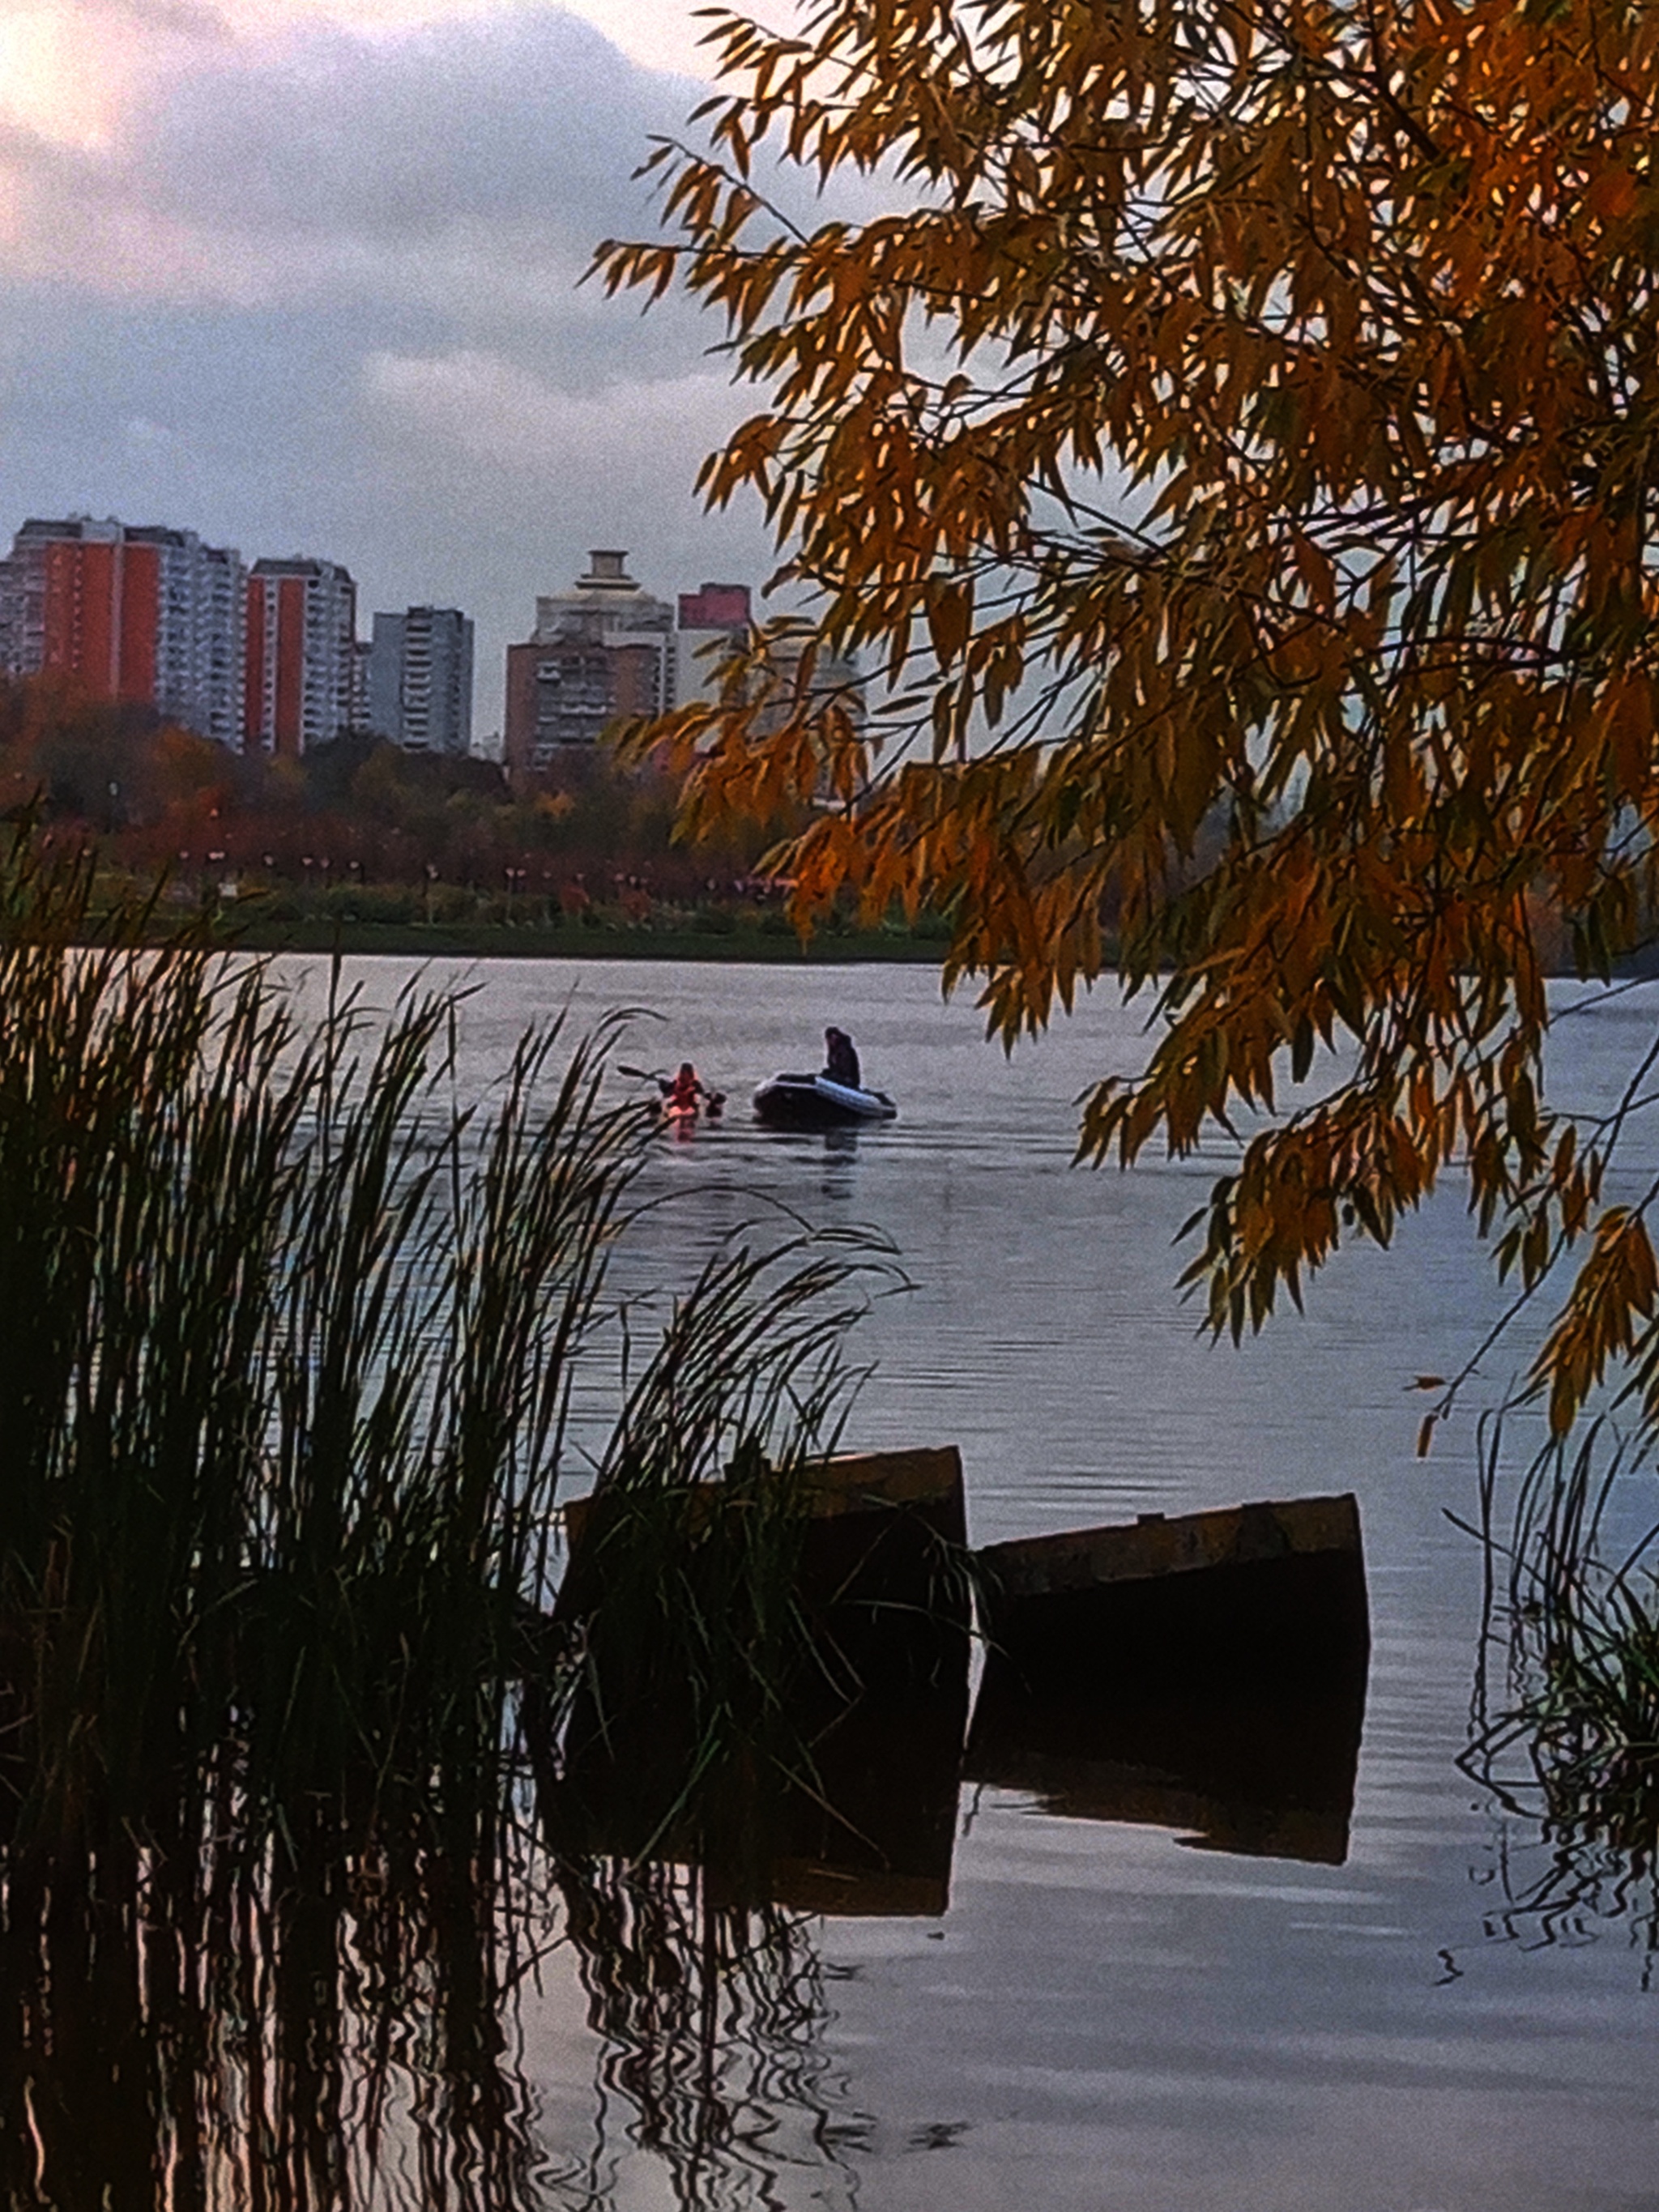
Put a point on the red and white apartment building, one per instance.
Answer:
(151, 616)
(301, 665)
(268, 660)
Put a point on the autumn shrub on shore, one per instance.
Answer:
(354, 811)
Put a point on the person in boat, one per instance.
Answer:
(841, 1061)
(682, 1094)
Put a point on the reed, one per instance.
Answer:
(288, 1347)
(285, 1351)
(683, 1710)
(1573, 1636)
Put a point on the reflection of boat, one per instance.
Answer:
(1270, 1774)
(874, 1832)
(813, 1102)
(868, 1830)
(1206, 1673)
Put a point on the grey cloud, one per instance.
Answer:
(465, 170)
(186, 19)
(530, 118)
(320, 296)
(180, 19)
(364, 434)
(45, 161)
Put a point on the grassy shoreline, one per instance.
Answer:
(291, 1333)
(574, 940)
(768, 941)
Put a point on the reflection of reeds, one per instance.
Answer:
(287, 1346)
(707, 2014)
(1573, 1621)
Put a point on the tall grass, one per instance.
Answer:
(684, 1712)
(285, 1349)
(1566, 1713)
(288, 1344)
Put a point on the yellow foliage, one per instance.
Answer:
(1265, 580)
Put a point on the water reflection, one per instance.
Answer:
(1124, 2020)
(709, 2016)
(834, 1153)
(180, 2038)
(1576, 1846)
(1566, 1885)
(1564, 1717)
(1203, 1673)
(1265, 1774)
(353, 2040)
(865, 1826)
(822, 1768)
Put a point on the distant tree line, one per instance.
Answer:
(158, 799)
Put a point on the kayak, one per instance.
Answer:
(813, 1102)
(685, 1113)
(674, 1110)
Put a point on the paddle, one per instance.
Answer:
(713, 1100)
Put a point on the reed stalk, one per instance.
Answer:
(288, 1345)
(1572, 1633)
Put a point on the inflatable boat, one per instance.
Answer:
(813, 1102)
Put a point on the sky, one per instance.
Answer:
(302, 275)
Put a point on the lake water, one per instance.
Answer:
(1107, 2017)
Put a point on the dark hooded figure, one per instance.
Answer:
(841, 1061)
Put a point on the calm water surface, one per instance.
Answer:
(1107, 2018)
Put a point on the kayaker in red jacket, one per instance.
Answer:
(681, 1096)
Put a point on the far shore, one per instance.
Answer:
(769, 943)
(576, 940)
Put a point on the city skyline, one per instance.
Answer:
(364, 334)
(278, 654)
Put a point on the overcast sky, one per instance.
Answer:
(302, 278)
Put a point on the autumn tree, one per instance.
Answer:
(1245, 414)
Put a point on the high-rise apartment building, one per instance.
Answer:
(709, 618)
(301, 663)
(420, 679)
(720, 615)
(363, 655)
(79, 607)
(602, 649)
(145, 615)
(202, 591)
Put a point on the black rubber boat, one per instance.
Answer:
(813, 1102)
